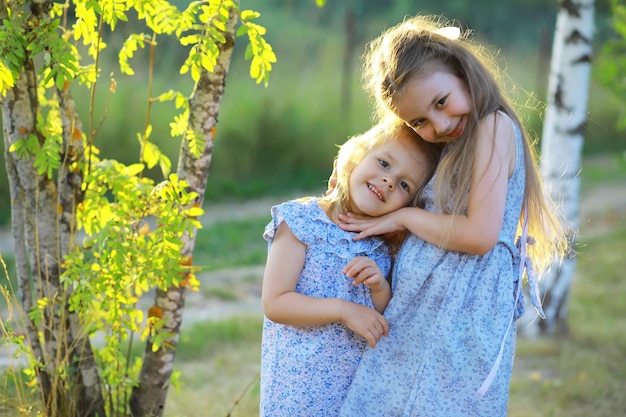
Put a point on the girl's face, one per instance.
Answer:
(387, 178)
(436, 106)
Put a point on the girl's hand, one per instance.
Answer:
(365, 321)
(371, 226)
(364, 270)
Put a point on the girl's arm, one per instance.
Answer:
(282, 304)
(478, 231)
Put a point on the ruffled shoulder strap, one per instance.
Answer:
(302, 217)
(312, 226)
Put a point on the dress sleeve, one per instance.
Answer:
(297, 216)
(311, 226)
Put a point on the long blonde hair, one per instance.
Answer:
(415, 49)
(352, 152)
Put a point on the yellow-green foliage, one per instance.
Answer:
(132, 227)
(132, 245)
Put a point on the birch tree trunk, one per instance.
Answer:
(561, 150)
(46, 152)
(148, 399)
(43, 225)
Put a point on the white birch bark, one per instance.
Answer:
(561, 150)
(41, 240)
(80, 352)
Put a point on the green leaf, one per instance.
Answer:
(194, 211)
(25, 147)
(60, 80)
(134, 169)
(242, 30)
(165, 164)
(249, 15)
(188, 40)
(248, 54)
(208, 61)
(151, 154)
(6, 79)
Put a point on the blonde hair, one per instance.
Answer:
(352, 152)
(412, 49)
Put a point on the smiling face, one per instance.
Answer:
(388, 177)
(436, 106)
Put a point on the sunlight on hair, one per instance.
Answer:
(450, 32)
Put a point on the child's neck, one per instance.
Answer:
(332, 211)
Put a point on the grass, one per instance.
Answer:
(216, 335)
(229, 244)
(577, 375)
(225, 383)
(583, 373)
(218, 292)
(8, 278)
(219, 365)
(603, 169)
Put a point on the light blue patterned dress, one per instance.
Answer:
(306, 371)
(451, 318)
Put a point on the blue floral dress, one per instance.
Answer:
(306, 371)
(451, 326)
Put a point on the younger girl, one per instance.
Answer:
(457, 277)
(318, 318)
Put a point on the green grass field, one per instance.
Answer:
(579, 374)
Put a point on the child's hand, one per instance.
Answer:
(364, 270)
(365, 321)
(371, 226)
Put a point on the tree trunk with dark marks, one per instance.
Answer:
(43, 222)
(561, 151)
(148, 399)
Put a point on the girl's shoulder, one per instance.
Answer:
(304, 217)
(311, 225)
(498, 132)
(498, 123)
(497, 135)
(306, 207)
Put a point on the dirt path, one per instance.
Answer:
(214, 212)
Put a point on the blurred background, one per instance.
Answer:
(280, 138)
